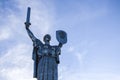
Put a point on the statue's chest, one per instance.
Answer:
(46, 50)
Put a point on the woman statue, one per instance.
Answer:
(45, 56)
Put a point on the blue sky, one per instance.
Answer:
(92, 51)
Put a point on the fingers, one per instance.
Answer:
(27, 24)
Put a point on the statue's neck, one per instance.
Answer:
(47, 43)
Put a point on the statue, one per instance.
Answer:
(45, 56)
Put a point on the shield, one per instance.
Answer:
(61, 36)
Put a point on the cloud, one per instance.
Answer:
(80, 51)
(4, 34)
(77, 53)
(16, 63)
(67, 74)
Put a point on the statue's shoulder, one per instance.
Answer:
(55, 47)
(37, 42)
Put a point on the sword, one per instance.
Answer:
(27, 23)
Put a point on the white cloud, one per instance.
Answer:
(80, 55)
(80, 52)
(67, 74)
(16, 63)
(4, 34)
(71, 49)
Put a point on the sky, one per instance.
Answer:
(93, 31)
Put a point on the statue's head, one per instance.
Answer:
(47, 38)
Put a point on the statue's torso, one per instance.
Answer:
(47, 50)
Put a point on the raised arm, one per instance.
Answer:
(36, 42)
(31, 35)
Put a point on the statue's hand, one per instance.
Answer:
(60, 45)
(27, 25)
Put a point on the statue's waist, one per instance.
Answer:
(47, 54)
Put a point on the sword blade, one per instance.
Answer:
(28, 15)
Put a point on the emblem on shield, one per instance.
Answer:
(61, 36)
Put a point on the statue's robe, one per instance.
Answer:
(45, 66)
(35, 58)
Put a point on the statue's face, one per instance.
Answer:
(47, 38)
